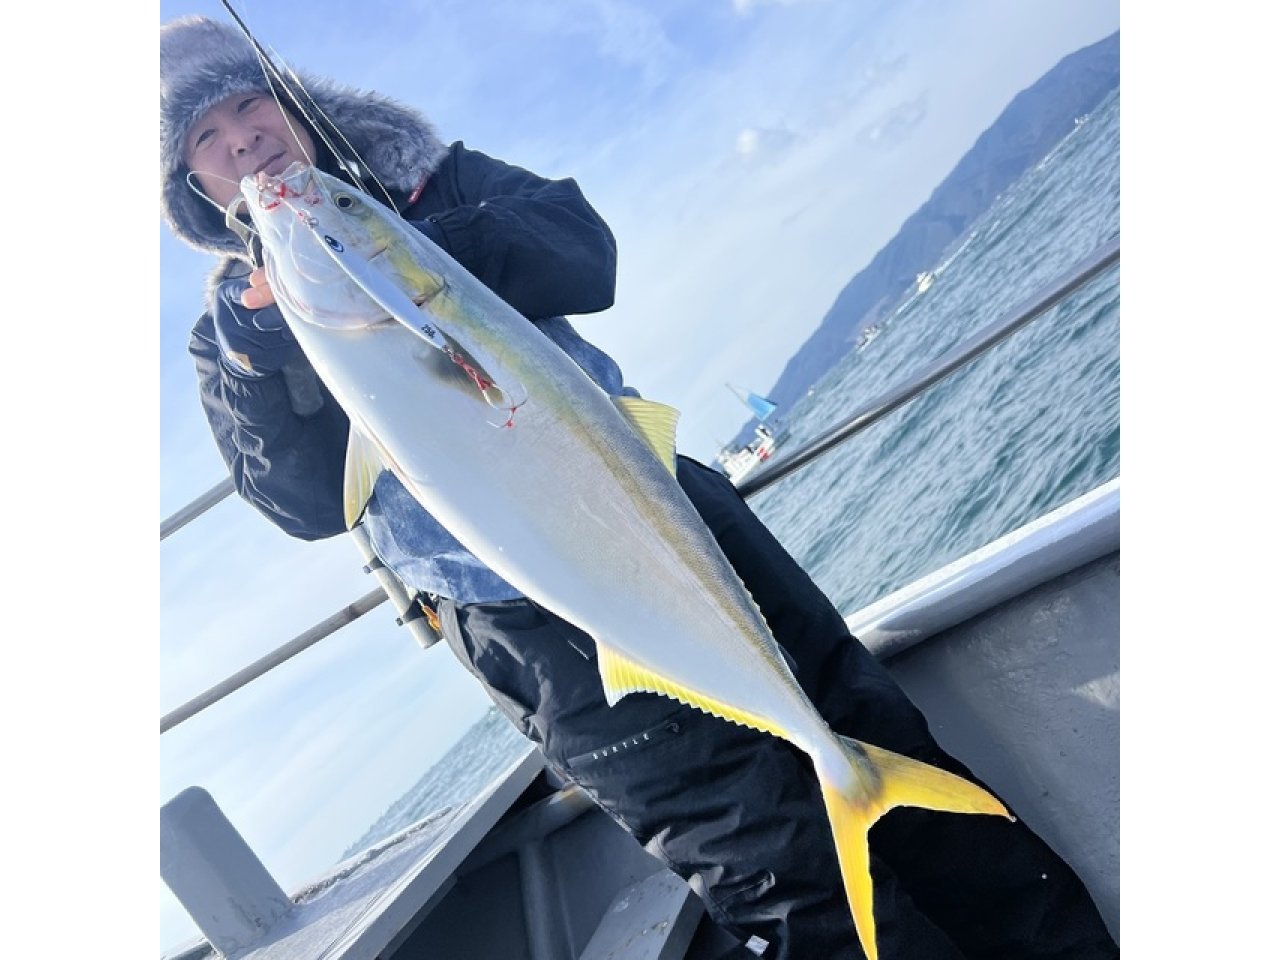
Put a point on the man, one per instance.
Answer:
(735, 812)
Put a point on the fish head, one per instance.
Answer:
(310, 223)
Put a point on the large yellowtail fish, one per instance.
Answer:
(566, 492)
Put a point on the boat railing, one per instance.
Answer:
(1044, 298)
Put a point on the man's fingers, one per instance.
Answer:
(255, 298)
(259, 294)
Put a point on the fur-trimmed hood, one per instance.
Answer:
(204, 61)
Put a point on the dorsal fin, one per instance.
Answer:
(364, 464)
(656, 425)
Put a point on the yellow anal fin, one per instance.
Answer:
(656, 425)
(900, 782)
(364, 464)
(621, 676)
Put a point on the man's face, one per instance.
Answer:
(243, 134)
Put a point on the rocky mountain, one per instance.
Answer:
(1028, 128)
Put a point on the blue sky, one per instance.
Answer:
(750, 155)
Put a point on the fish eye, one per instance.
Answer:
(344, 201)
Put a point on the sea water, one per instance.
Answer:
(1032, 424)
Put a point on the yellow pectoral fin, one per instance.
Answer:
(364, 464)
(621, 676)
(656, 425)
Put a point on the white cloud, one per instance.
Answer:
(895, 126)
(630, 34)
(764, 143)
(744, 7)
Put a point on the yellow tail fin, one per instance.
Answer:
(900, 782)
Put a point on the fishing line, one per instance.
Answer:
(195, 186)
(271, 72)
(247, 233)
(359, 160)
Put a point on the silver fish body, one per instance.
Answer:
(565, 492)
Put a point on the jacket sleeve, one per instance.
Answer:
(289, 466)
(536, 243)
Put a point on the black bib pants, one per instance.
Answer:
(738, 813)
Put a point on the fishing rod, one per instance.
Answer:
(352, 168)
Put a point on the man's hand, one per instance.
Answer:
(251, 332)
(259, 294)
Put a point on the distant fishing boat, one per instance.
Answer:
(738, 462)
(868, 334)
(924, 281)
